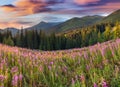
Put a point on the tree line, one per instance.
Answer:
(33, 39)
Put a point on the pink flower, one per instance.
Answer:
(20, 77)
(65, 69)
(49, 67)
(73, 81)
(15, 80)
(87, 67)
(85, 56)
(104, 84)
(40, 68)
(14, 69)
(51, 63)
(82, 78)
(95, 85)
(2, 78)
(1, 86)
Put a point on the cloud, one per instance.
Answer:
(103, 9)
(107, 8)
(8, 8)
(14, 24)
(84, 2)
(27, 7)
(53, 1)
(23, 11)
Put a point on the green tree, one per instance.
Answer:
(8, 41)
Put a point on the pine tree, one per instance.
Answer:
(8, 41)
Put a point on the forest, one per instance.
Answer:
(83, 37)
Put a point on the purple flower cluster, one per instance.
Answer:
(2, 77)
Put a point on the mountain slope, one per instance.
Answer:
(76, 23)
(43, 26)
(72, 24)
(113, 17)
(12, 30)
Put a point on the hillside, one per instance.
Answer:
(94, 66)
(113, 17)
(72, 24)
(75, 23)
(43, 26)
(11, 29)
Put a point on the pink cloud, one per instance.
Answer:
(12, 24)
(26, 7)
(107, 8)
(84, 2)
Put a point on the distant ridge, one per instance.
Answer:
(43, 26)
(113, 17)
(76, 23)
(71, 24)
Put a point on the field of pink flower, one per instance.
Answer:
(94, 66)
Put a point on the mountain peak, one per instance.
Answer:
(42, 22)
(75, 18)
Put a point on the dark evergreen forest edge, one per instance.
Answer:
(79, 37)
(72, 39)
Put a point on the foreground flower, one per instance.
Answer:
(40, 68)
(82, 78)
(51, 63)
(20, 77)
(73, 81)
(104, 84)
(14, 69)
(2, 78)
(15, 80)
(95, 85)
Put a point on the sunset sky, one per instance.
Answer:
(17, 13)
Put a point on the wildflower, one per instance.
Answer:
(65, 69)
(49, 67)
(76, 77)
(40, 68)
(82, 78)
(104, 84)
(51, 63)
(2, 78)
(15, 80)
(14, 69)
(103, 50)
(85, 56)
(73, 81)
(20, 77)
(1, 86)
(87, 67)
(95, 85)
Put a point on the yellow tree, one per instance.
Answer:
(107, 33)
(117, 30)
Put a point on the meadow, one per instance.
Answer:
(93, 66)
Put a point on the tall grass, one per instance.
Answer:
(94, 66)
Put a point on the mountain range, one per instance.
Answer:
(71, 24)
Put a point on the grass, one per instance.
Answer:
(94, 66)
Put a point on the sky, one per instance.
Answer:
(26, 13)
